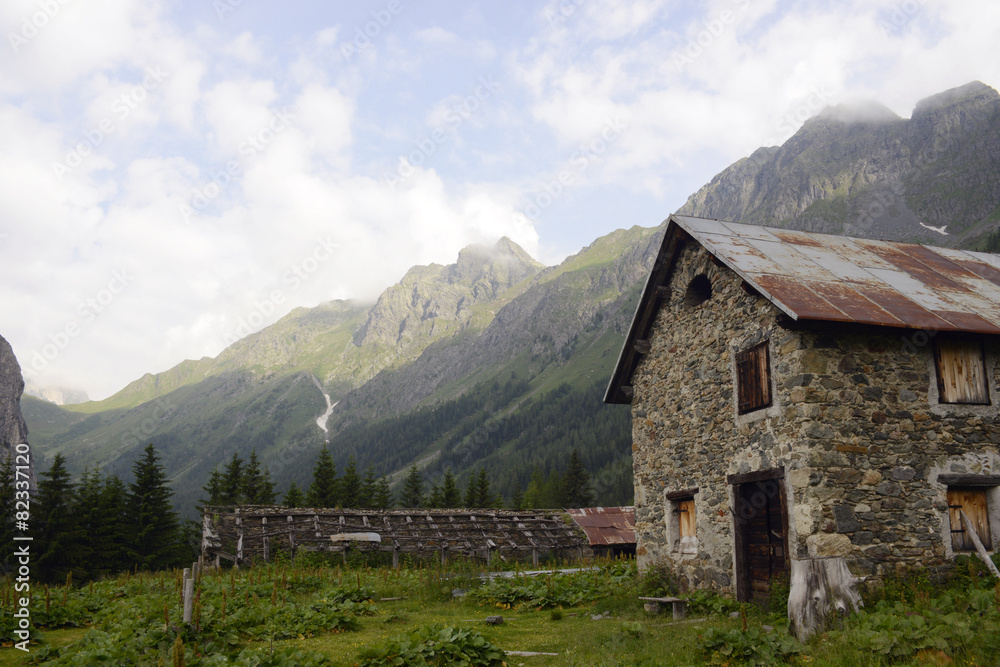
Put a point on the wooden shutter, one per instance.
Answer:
(961, 372)
(753, 379)
(973, 503)
(685, 517)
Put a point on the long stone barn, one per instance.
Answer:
(806, 396)
(249, 534)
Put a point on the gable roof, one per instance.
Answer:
(829, 278)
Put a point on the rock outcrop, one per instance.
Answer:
(861, 170)
(13, 429)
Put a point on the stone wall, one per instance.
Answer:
(854, 423)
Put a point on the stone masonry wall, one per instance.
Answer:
(854, 422)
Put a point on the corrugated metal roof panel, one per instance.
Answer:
(833, 278)
(606, 525)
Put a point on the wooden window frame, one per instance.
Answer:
(959, 541)
(685, 529)
(753, 367)
(948, 393)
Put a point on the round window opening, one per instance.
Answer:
(698, 292)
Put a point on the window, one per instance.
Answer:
(685, 521)
(973, 503)
(681, 530)
(699, 291)
(961, 372)
(753, 379)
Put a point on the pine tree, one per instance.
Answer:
(232, 481)
(477, 493)
(113, 528)
(470, 492)
(57, 536)
(517, 502)
(267, 496)
(213, 488)
(576, 483)
(413, 489)
(90, 521)
(324, 490)
(435, 498)
(294, 497)
(350, 484)
(153, 522)
(369, 488)
(383, 494)
(450, 495)
(8, 506)
(253, 481)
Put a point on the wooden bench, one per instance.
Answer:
(679, 605)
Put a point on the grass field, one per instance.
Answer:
(321, 614)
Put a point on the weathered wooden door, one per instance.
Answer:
(761, 537)
(973, 503)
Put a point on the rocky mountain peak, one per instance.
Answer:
(866, 112)
(971, 95)
(861, 170)
(434, 300)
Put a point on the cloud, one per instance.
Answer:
(260, 152)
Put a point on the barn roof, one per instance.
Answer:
(822, 277)
(606, 526)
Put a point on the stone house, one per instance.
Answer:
(799, 395)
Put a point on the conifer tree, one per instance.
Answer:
(383, 494)
(576, 483)
(254, 492)
(267, 496)
(213, 488)
(90, 521)
(450, 495)
(413, 489)
(294, 497)
(477, 493)
(113, 528)
(324, 491)
(57, 539)
(369, 488)
(470, 492)
(517, 501)
(232, 481)
(155, 528)
(435, 499)
(350, 484)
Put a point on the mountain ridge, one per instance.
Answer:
(477, 363)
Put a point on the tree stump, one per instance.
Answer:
(819, 586)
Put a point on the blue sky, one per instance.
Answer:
(174, 174)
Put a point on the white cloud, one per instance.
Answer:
(311, 186)
(244, 48)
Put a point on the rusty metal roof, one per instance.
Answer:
(840, 279)
(606, 526)
(829, 278)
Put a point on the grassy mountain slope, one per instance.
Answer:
(495, 361)
(493, 313)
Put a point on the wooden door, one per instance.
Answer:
(973, 503)
(761, 538)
